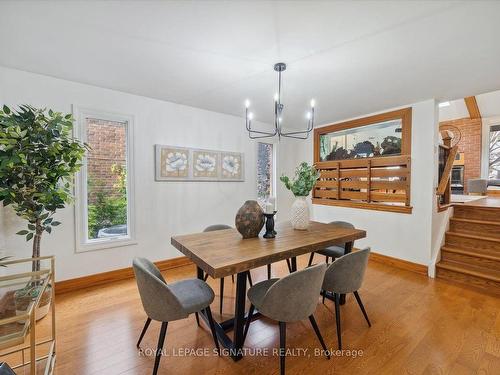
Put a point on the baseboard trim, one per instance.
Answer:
(71, 285)
(97, 279)
(399, 263)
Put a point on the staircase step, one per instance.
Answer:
(473, 276)
(477, 213)
(478, 227)
(471, 241)
(477, 257)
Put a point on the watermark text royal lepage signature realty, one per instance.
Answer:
(252, 352)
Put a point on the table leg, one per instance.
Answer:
(294, 264)
(199, 273)
(347, 250)
(239, 315)
(237, 323)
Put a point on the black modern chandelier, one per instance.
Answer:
(278, 116)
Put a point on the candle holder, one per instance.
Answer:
(270, 232)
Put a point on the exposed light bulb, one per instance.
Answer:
(276, 97)
(250, 116)
(247, 103)
(308, 115)
(313, 102)
(280, 119)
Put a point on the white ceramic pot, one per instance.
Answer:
(300, 213)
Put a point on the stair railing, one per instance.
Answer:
(447, 155)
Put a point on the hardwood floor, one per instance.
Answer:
(419, 326)
(485, 202)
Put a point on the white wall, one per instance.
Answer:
(167, 208)
(404, 236)
(162, 208)
(440, 220)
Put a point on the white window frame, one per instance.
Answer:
(81, 217)
(485, 135)
(274, 166)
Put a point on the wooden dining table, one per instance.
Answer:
(224, 253)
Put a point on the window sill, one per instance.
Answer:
(105, 244)
(363, 205)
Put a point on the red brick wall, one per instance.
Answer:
(470, 145)
(108, 142)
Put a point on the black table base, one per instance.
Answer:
(237, 324)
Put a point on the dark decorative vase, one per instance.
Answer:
(249, 219)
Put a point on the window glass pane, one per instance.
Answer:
(494, 153)
(264, 171)
(106, 179)
(379, 139)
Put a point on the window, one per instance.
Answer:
(494, 152)
(385, 134)
(265, 171)
(380, 139)
(104, 191)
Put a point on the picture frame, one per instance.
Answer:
(175, 163)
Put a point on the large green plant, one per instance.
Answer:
(305, 178)
(38, 159)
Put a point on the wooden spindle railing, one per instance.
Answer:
(449, 154)
(375, 183)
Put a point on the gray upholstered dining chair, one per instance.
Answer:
(345, 275)
(477, 186)
(333, 251)
(289, 299)
(168, 302)
(213, 228)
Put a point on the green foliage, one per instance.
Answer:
(108, 210)
(305, 178)
(38, 158)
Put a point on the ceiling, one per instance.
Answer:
(488, 104)
(352, 57)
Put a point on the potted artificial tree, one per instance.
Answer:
(38, 159)
(305, 178)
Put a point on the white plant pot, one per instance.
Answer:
(300, 213)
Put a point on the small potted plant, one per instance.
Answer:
(38, 159)
(305, 177)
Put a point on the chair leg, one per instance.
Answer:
(212, 328)
(318, 333)
(268, 271)
(282, 347)
(289, 265)
(247, 324)
(337, 318)
(327, 259)
(324, 294)
(249, 275)
(358, 298)
(146, 325)
(206, 277)
(197, 318)
(221, 294)
(310, 260)
(159, 349)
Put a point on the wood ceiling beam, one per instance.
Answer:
(472, 107)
